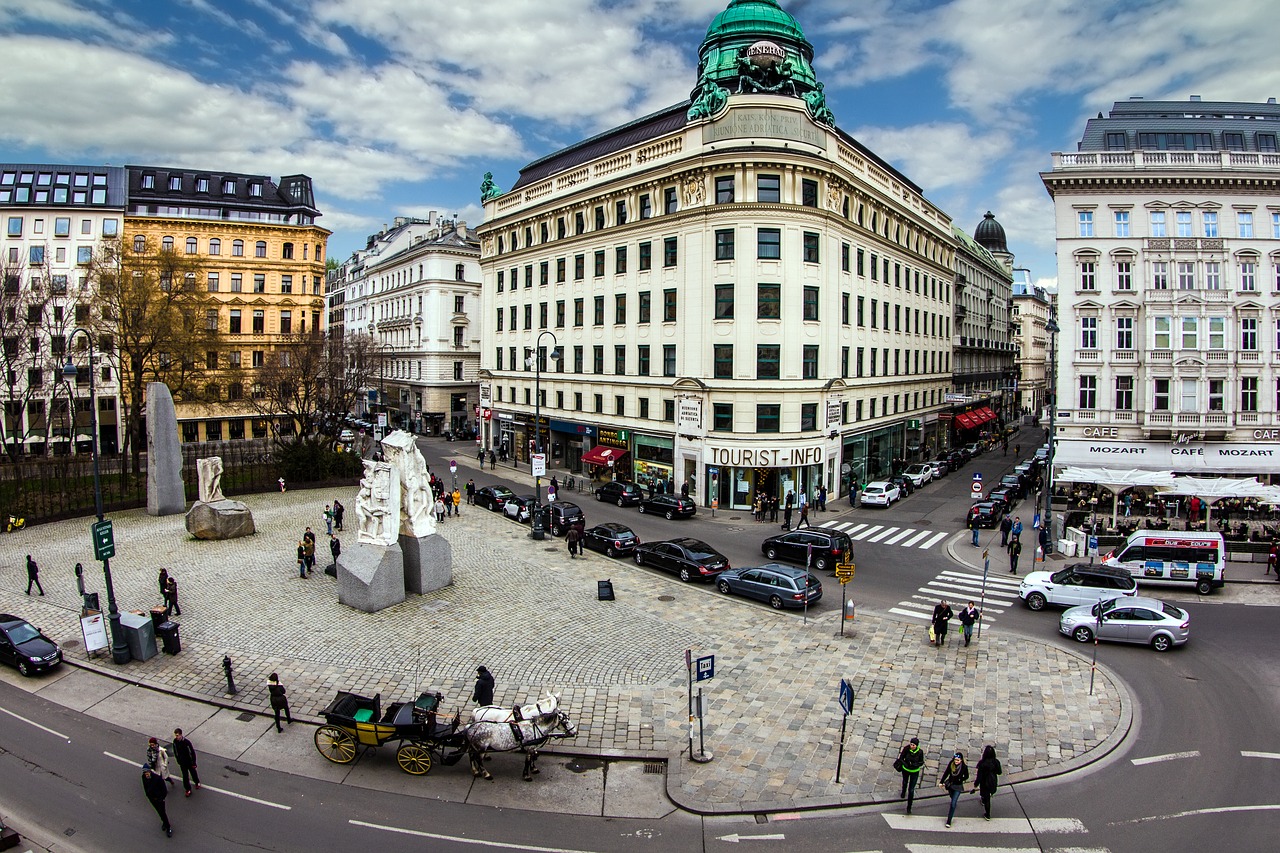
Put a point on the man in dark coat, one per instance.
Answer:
(483, 694)
(941, 617)
(156, 790)
(185, 754)
(33, 575)
(1006, 524)
(171, 599)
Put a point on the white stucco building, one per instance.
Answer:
(1031, 306)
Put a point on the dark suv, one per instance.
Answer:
(620, 492)
(670, 506)
(561, 514)
(829, 548)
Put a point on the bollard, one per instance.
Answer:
(231, 682)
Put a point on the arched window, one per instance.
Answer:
(237, 248)
(166, 244)
(139, 244)
(215, 246)
(260, 249)
(192, 246)
(286, 251)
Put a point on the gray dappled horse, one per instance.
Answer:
(523, 736)
(502, 714)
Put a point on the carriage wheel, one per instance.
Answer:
(336, 744)
(414, 759)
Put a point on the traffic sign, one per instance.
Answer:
(706, 668)
(976, 487)
(844, 572)
(847, 696)
(453, 466)
(977, 476)
(539, 465)
(104, 542)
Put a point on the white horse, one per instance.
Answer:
(523, 736)
(501, 714)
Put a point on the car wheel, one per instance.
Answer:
(609, 552)
(1161, 642)
(621, 502)
(772, 553)
(641, 509)
(1082, 635)
(639, 558)
(24, 668)
(599, 496)
(1204, 587)
(775, 602)
(670, 515)
(1036, 601)
(821, 564)
(685, 576)
(723, 586)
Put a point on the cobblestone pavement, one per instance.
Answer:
(530, 614)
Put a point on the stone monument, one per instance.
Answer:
(428, 558)
(371, 574)
(165, 493)
(213, 516)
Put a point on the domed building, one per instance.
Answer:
(731, 295)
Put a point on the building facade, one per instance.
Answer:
(1031, 307)
(731, 294)
(264, 261)
(1168, 223)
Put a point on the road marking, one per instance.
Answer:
(832, 523)
(1173, 756)
(910, 543)
(999, 825)
(903, 535)
(910, 613)
(933, 599)
(735, 838)
(37, 725)
(951, 848)
(950, 588)
(933, 541)
(1196, 812)
(855, 529)
(864, 534)
(888, 531)
(480, 842)
(996, 581)
(1247, 754)
(245, 797)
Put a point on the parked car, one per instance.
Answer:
(689, 558)
(974, 449)
(493, 497)
(1076, 584)
(620, 492)
(519, 508)
(903, 483)
(987, 513)
(827, 547)
(880, 493)
(1005, 495)
(561, 514)
(612, 538)
(23, 646)
(781, 586)
(346, 436)
(1011, 480)
(669, 506)
(941, 468)
(919, 474)
(1147, 621)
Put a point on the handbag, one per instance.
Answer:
(897, 765)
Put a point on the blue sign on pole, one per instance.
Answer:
(706, 668)
(846, 696)
(977, 476)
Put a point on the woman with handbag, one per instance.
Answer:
(909, 763)
(985, 780)
(953, 779)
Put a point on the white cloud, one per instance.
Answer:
(937, 155)
(117, 27)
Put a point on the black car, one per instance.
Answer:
(561, 514)
(23, 646)
(829, 547)
(987, 513)
(781, 586)
(493, 497)
(1006, 495)
(954, 459)
(669, 506)
(620, 492)
(689, 558)
(616, 540)
(904, 484)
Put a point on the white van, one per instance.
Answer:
(1173, 558)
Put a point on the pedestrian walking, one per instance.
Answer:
(155, 789)
(158, 758)
(309, 540)
(803, 499)
(853, 493)
(185, 754)
(573, 538)
(493, 461)
(171, 599)
(1128, 503)
(328, 520)
(439, 508)
(1017, 450)
(448, 504)
(822, 499)
(302, 559)
(910, 762)
(457, 503)
(335, 548)
(941, 617)
(968, 617)
(804, 516)
(987, 777)
(953, 779)
(480, 457)
(973, 526)
(1016, 530)
(471, 492)
(338, 510)
(786, 511)
(1015, 551)
(483, 694)
(163, 579)
(279, 700)
(33, 575)
(1006, 525)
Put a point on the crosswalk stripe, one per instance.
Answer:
(910, 613)
(864, 534)
(855, 529)
(910, 543)
(888, 531)
(1002, 826)
(933, 599)
(831, 523)
(903, 535)
(991, 581)
(976, 586)
(844, 525)
(933, 541)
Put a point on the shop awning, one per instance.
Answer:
(985, 413)
(966, 420)
(603, 455)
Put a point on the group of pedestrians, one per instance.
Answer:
(168, 593)
(1011, 540)
(955, 775)
(155, 774)
(941, 620)
(573, 538)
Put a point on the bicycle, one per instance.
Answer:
(16, 522)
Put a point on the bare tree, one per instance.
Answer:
(15, 358)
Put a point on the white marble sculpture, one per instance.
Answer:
(378, 505)
(416, 518)
(209, 470)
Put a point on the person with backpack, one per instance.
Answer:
(910, 762)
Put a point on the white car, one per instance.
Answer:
(881, 494)
(346, 436)
(1076, 584)
(920, 474)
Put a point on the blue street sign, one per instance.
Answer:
(977, 476)
(846, 696)
(1035, 521)
(706, 668)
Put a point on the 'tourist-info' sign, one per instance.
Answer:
(1233, 457)
(763, 457)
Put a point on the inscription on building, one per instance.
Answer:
(773, 124)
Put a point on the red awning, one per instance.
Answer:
(965, 421)
(599, 455)
(987, 414)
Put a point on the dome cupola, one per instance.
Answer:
(990, 234)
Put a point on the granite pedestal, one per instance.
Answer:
(428, 563)
(224, 519)
(371, 577)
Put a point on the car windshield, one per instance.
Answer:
(1102, 608)
(19, 634)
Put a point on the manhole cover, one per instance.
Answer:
(926, 522)
(246, 717)
(70, 644)
(666, 598)
(551, 550)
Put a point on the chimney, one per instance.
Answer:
(1195, 99)
(1271, 100)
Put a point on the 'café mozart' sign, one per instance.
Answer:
(1229, 457)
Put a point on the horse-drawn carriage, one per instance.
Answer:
(354, 723)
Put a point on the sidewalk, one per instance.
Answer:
(530, 614)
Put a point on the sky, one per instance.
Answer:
(398, 107)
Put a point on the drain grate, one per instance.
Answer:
(666, 598)
(653, 768)
(246, 717)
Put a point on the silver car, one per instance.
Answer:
(1146, 621)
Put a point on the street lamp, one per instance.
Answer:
(535, 523)
(119, 648)
(1046, 522)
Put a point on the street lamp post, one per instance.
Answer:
(119, 648)
(1047, 520)
(536, 526)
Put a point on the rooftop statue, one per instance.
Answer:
(711, 100)
(488, 189)
(817, 104)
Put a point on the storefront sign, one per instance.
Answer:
(763, 457)
(833, 413)
(613, 437)
(689, 414)
(486, 395)
(572, 427)
(1198, 456)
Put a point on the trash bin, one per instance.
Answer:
(158, 618)
(140, 634)
(168, 633)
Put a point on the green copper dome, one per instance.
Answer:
(757, 18)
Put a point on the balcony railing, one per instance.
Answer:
(1209, 160)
